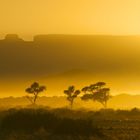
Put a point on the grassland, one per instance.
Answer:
(65, 124)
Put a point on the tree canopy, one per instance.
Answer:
(34, 90)
(97, 92)
(71, 94)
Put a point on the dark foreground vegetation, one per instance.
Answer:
(65, 124)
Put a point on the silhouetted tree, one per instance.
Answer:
(97, 92)
(34, 90)
(71, 94)
(85, 89)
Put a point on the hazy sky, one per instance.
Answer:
(113, 17)
(29, 17)
(64, 60)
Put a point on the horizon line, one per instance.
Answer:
(57, 34)
(51, 96)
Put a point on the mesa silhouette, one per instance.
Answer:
(59, 53)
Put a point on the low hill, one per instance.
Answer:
(122, 101)
(62, 60)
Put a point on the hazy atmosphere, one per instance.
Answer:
(30, 17)
(62, 60)
(99, 46)
(69, 69)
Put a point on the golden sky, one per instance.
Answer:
(112, 17)
(29, 17)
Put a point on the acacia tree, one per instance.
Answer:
(34, 90)
(71, 94)
(97, 92)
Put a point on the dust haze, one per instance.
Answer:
(62, 60)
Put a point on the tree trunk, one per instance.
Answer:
(71, 104)
(105, 105)
(35, 98)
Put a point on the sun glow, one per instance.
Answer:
(121, 17)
